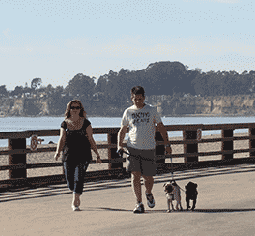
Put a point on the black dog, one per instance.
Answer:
(191, 194)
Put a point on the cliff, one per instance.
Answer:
(166, 105)
(232, 105)
(24, 107)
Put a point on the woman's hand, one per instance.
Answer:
(98, 160)
(56, 156)
(168, 150)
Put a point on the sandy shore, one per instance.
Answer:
(177, 149)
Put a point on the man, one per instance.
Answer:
(141, 120)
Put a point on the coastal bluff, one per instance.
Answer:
(196, 105)
(166, 106)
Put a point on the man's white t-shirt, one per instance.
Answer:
(142, 126)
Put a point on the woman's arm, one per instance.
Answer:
(89, 131)
(61, 143)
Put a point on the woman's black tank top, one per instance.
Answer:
(77, 147)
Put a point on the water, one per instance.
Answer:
(15, 124)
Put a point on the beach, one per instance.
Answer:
(48, 157)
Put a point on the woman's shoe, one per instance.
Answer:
(76, 208)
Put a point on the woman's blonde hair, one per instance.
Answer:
(68, 108)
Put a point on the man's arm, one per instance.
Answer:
(161, 128)
(121, 136)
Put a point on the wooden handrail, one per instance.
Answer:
(189, 141)
(56, 132)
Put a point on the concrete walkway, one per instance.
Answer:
(225, 206)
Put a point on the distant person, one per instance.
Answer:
(76, 140)
(141, 120)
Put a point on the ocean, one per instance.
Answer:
(16, 124)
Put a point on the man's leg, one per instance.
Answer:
(148, 182)
(136, 185)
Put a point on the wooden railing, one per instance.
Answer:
(17, 151)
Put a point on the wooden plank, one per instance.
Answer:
(56, 132)
(209, 127)
(49, 149)
(29, 133)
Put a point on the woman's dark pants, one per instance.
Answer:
(75, 176)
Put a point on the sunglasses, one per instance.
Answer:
(75, 108)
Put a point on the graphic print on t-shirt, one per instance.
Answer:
(141, 117)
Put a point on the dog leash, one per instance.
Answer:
(150, 160)
(172, 172)
(140, 157)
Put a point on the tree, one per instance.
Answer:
(81, 85)
(3, 91)
(17, 91)
(27, 89)
(200, 84)
(59, 90)
(166, 78)
(49, 89)
(36, 83)
(56, 104)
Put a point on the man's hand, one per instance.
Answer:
(98, 160)
(56, 156)
(120, 152)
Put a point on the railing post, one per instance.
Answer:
(17, 143)
(160, 149)
(112, 139)
(252, 141)
(190, 147)
(227, 145)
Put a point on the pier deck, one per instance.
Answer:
(225, 206)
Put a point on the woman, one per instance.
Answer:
(76, 140)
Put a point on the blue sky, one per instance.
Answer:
(55, 40)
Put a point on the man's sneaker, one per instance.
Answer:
(139, 208)
(150, 200)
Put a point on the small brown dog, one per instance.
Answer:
(173, 192)
(169, 196)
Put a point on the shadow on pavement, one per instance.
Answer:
(104, 209)
(222, 210)
(113, 184)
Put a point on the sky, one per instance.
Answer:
(55, 40)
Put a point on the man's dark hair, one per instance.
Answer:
(137, 90)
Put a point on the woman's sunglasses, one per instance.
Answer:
(75, 108)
